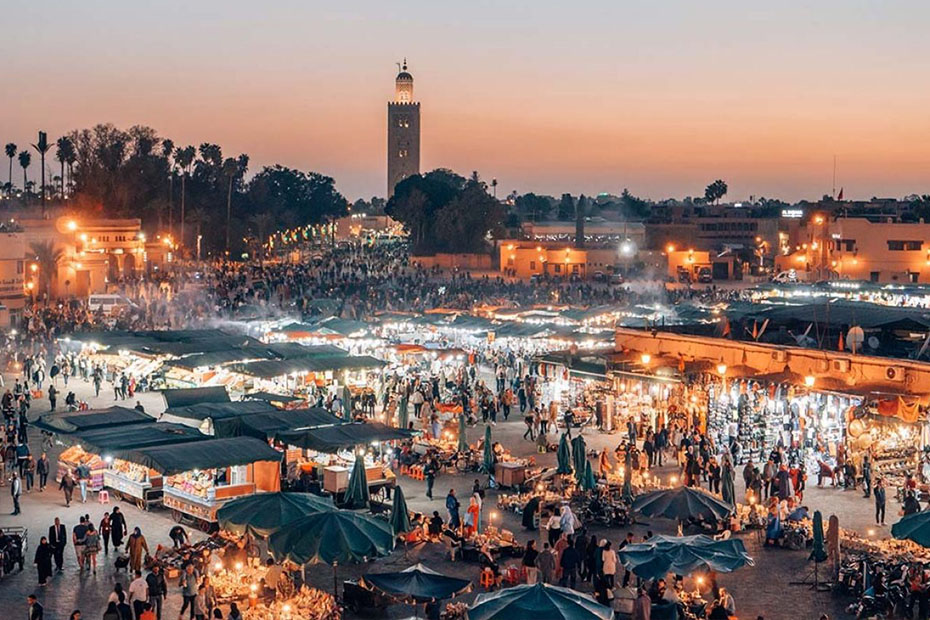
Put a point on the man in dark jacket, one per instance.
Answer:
(58, 539)
(569, 565)
(879, 501)
(158, 588)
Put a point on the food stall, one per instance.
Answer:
(198, 477)
(125, 479)
(325, 455)
(205, 416)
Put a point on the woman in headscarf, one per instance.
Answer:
(567, 521)
(471, 517)
(603, 463)
(136, 545)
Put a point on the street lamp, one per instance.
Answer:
(722, 368)
(645, 358)
(809, 381)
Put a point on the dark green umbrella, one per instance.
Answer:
(357, 492)
(818, 552)
(487, 463)
(683, 555)
(537, 602)
(726, 487)
(588, 483)
(263, 514)
(914, 527)
(579, 457)
(463, 440)
(403, 416)
(681, 503)
(330, 537)
(400, 516)
(417, 584)
(347, 403)
(564, 457)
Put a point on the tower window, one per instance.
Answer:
(403, 123)
(402, 153)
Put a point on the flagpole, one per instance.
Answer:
(834, 178)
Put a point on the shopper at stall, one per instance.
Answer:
(569, 561)
(530, 555)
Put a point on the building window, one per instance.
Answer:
(913, 276)
(532, 265)
(19, 266)
(510, 262)
(558, 268)
(904, 246)
(873, 276)
(846, 245)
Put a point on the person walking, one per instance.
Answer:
(67, 487)
(569, 564)
(117, 528)
(138, 594)
(430, 473)
(136, 545)
(453, 506)
(879, 493)
(42, 468)
(58, 539)
(34, 609)
(52, 397)
(157, 589)
(43, 560)
(83, 475)
(867, 475)
(78, 534)
(545, 562)
(105, 532)
(16, 489)
(188, 585)
(530, 556)
(609, 560)
(91, 547)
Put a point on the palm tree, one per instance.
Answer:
(184, 158)
(24, 160)
(197, 217)
(262, 222)
(232, 168)
(64, 153)
(43, 147)
(47, 257)
(10, 149)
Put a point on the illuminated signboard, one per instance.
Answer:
(792, 213)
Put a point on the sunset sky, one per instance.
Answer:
(658, 96)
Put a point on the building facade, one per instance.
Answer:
(858, 248)
(403, 136)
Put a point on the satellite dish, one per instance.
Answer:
(873, 342)
(855, 338)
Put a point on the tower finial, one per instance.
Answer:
(405, 63)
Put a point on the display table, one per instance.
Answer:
(145, 493)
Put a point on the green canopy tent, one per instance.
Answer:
(726, 486)
(400, 515)
(463, 440)
(564, 457)
(487, 463)
(417, 584)
(588, 483)
(683, 555)
(331, 537)
(537, 602)
(356, 495)
(263, 514)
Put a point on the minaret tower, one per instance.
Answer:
(403, 148)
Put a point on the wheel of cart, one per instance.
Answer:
(360, 599)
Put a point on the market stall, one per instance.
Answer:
(324, 456)
(200, 476)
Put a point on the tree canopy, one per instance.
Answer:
(715, 191)
(444, 212)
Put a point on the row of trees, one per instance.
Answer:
(191, 192)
